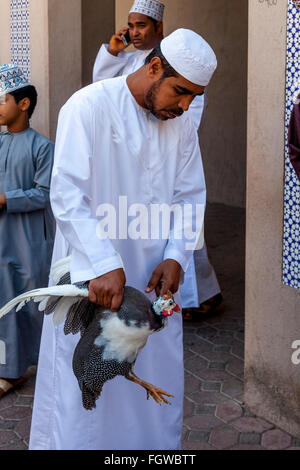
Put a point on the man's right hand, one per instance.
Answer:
(108, 290)
(116, 44)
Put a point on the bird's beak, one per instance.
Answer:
(177, 309)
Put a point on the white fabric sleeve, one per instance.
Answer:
(108, 65)
(71, 196)
(190, 192)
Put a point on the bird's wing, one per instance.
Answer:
(61, 298)
(60, 272)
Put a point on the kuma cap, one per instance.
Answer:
(190, 55)
(152, 8)
(12, 78)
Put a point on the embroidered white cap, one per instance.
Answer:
(190, 55)
(152, 8)
(12, 78)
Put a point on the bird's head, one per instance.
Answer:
(165, 305)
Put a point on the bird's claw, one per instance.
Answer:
(157, 394)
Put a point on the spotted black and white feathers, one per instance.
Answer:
(109, 342)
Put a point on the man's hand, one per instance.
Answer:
(108, 290)
(116, 44)
(165, 277)
(2, 201)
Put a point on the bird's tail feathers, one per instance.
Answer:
(62, 297)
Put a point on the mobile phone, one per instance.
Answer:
(126, 38)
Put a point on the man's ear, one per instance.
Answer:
(155, 67)
(24, 104)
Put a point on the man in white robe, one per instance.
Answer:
(145, 27)
(127, 138)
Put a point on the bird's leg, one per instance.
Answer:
(155, 392)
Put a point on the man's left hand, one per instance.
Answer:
(2, 201)
(165, 277)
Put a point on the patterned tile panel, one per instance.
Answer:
(291, 243)
(20, 34)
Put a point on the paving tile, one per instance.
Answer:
(191, 384)
(211, 386)
(23, 428)
(196, 364)
(227, 326)
(189, 339)
(8, 400)
(236, 366)
(15, 412)
(6, 437)
(213, 375)
(205, 410)
(198, 436)
(222, 348)
(188, 354)
(250, 438)
(248, 424)
(226, 334)
(207, 332)
(229, 411)
(217, 356)
(224, 340)
(232, 387)
(17, 445)
(223, 438)
(202, 423)
(208, 398)
(196, 446)
(24, 401)
(7, 424)
(240, 336)
(185, 433)
(188, 408)
(246, 447)
(217, 365)
(295, 442)
(276, 439)
(238, 350)
(201, 346)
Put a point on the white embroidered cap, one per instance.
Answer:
(152, 8)
(190, 55)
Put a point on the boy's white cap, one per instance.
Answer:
(190, 55)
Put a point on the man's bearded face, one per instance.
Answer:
(154, 102)
(170, 97)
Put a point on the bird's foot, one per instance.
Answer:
(155, 392)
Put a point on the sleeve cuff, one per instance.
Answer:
(97, 270)
(12, 201)
(172, 253)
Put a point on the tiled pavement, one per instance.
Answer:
(215, 416)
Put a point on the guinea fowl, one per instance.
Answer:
(110, 342)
